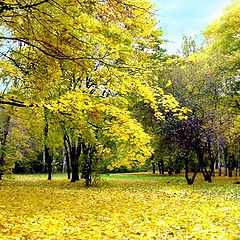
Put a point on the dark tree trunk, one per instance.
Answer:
(68, 166)
(75, 154)
(75, 172)
(238, 161)
(44, 161)
(231, 166)
(212, 173)
(161, 166)
(48, 157)
(190, 180)
(177, 171)
(73, 150)
(237, 167)
(211, 156)
(87, 162)
(75, 164)
(219, 163)
(3, 145)
(153, 168)
(67, 156)
(206, 174)
(219, 169)
(88, 176)
(49, 162)
(225, 165)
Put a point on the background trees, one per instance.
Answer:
(206, 81)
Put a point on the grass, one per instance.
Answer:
(123, 206)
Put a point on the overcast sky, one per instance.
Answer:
(186, 17)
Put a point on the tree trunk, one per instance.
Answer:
(211, 156)
(74, 164)
(76, 150)
(64, 163)
(161, 166)
(153, 168)
(67, 156)
(230, 165)
(49, 162)
(219, 161)
(47, 155)
(68, 166)
(75, 172)
(73, 150)
(44, 160)
(89, 164)
(225, 164)
(206, 174)
(237, 167)
(87, 155)
(88, 176)
(219, 169)
(190, 180)
(238, 161)
(4, 145)
(170, 172)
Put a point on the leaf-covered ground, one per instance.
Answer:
(121, 207)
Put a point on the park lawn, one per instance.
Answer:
(123, 206)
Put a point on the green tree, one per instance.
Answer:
(222, 38)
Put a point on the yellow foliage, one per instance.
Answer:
(72, 52)
(32, 208)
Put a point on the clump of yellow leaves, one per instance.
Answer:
(124, 137)
(32, 208)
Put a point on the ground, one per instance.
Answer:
(122, 206)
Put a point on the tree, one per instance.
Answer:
(87, 64)
(21, 141)
(196, 82)
(5, 123)
(222, 38)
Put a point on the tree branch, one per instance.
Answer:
(14, 102)
(10, 7)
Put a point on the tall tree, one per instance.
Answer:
(222, 37)
(86, 63)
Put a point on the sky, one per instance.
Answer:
(186, 17)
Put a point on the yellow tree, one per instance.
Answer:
(87, 63)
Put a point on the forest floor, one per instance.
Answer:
(122, 206)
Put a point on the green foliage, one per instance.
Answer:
(223, 40)
(223, 33)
